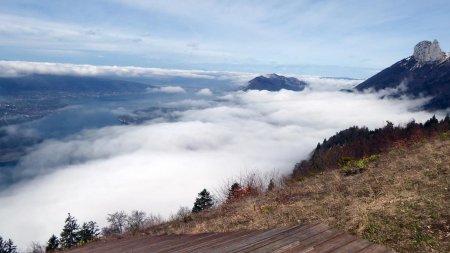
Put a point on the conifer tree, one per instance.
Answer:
(52, 244)
(271, 185)
(89, 232)
(203, 201)
(69, 234)
(234, 192)
(7, 246)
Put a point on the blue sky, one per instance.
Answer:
(329, 38)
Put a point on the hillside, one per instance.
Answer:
(401, 200)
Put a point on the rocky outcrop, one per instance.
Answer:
(427, 51)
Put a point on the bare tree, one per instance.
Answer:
(36, 247)
(117, 223)
(136, 220)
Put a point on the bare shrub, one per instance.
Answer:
(153, 220)
(35, 247)
(183, 214)
(117, 223)
(248, 184)
(136, 220)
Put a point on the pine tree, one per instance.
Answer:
(52, 244)
(271, 185)
(234, 192)
(69, 234)
(203, 201)
(7, 246)
(89, 232)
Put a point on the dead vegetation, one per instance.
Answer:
(400, 199)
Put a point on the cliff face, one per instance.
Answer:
(426, 52)
(426, 73)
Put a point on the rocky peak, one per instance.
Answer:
(427, 51)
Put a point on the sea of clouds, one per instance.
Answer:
(160, 165)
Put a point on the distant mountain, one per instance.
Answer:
(425, 73)
(274, 82)
(75, 85)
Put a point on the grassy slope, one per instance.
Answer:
(401, 200)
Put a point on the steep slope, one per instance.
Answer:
(274, 82)
(426, 73)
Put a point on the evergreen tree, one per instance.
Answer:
(7, 246)
(52, 244)
(89, 232)
(69, 234)
(203, 201)
(271, 185)
(234, 192)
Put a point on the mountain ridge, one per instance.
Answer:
(274, 82)
(425, 73)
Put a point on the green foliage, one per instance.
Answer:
(52, 244)
(69, 234)
(89, 232)
(352, 167)
(203, 201)
(7, 246)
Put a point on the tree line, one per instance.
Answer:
(356, 143)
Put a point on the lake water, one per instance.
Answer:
(81, 114)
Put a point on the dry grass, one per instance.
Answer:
(400, 200)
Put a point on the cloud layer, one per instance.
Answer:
(160, 166)
(19, 68)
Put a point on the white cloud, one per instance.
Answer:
(159, 166)
(328, 83)
(204, 92)
(18, 68)
(168, 89)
